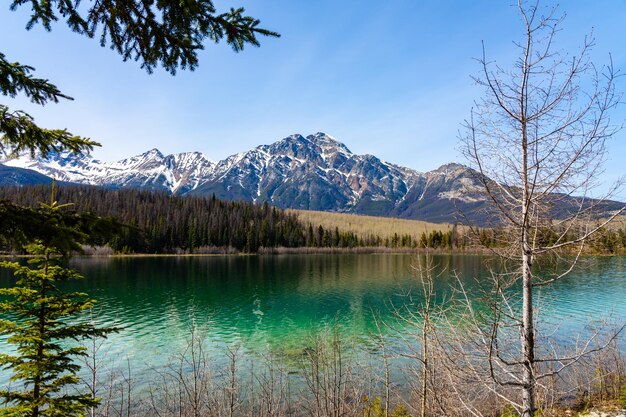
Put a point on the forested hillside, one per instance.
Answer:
(161, 223)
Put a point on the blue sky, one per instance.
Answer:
(387, 78)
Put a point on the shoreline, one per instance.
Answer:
(299, 251)
(275, 251)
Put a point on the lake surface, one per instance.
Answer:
(270, 303)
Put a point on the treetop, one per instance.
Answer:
(152, 32)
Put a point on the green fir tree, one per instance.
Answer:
(44, 324)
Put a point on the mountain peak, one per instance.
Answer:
(296, 137)
(328, 142)
(322, 136)
(452, 166)
(153, 153)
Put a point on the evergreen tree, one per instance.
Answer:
(44, 321)
(18, 131)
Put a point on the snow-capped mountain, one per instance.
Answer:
(315, 172)
(176, 173)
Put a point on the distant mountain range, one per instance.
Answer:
(315, 172)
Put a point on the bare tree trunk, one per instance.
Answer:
(425, 365)
(528, 335)
(528, 342)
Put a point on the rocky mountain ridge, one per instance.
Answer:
(315, 172)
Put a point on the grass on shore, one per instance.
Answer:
(361, 225)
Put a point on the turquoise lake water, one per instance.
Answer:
(274, 303)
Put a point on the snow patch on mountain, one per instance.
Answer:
(174, 173)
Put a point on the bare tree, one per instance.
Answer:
(93, 364)
(332, 384)
(420, 319)
(537, 140)
(379, 339)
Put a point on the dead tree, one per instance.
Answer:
(419, 323)
(537, 142)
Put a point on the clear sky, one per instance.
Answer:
(390, 78)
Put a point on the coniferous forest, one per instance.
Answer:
(159, 223)
(156, 222)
